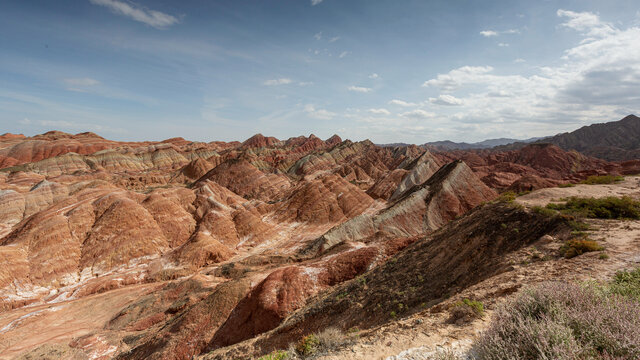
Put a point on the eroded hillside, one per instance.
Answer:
(175, 249)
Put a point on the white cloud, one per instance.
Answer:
(315, 2)
(334, 39)
(488, 33)
(274, 82)
(374, 76)
(381, 111)
(343, 54)
(492, 33)
(305, 83)
(587, 23)
(320, 114)
(596, 80)
(150, 17)
(447, 100)
(402, 103)
(359, 89)
(519, 61)
(418, 114)
(80, 84)
(318, 36)
(503, 44)
(81, 81)
(455, 78)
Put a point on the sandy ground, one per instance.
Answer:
(629, 187)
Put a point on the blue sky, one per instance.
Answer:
(387, 70)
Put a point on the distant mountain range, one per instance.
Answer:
(611, 141)
(486, 144)
(446, 145)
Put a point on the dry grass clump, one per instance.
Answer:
(444, 355)
(563, 321)
(331, 338)
(312, 345)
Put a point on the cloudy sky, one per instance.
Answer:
(388, 70)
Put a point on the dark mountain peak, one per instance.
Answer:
(612, 141)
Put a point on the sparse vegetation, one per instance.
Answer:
(567, 185)
(602, 208)
(627, 283)
(564, 321)
(276, 355)
(603, 256)
(576, 247)
(602, 179)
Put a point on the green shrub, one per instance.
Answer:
(578, 226)
(602, 179)
(308, 345)
(575, 247)
(508, 196)
(465, 311)
(567, 185)
(602, 208)
(543, 211)
(603, 256)
(475, 305)
(276, 355)
(627, 283)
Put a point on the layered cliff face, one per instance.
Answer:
(223, 240)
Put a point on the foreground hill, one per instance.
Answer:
(172, 249)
